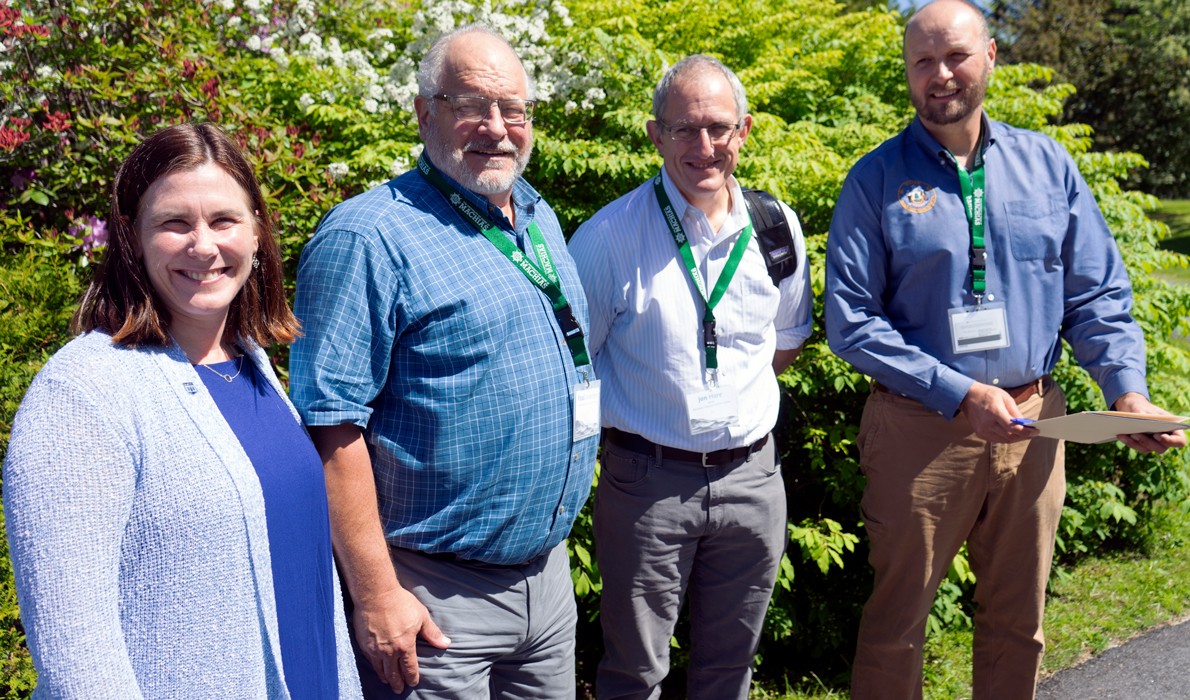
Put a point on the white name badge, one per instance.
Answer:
(712, 408)
(983, 327)
(586, 411)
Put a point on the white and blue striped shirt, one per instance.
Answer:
(646, 318)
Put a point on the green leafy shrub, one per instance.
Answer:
(38, 288)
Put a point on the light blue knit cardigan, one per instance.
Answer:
(137, 532)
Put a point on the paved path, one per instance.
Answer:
(1154, 666)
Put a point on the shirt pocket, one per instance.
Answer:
(759, 299)
(1037, 227)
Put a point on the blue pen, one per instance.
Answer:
(1023, 422)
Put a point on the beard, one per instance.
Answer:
(485, 181)
(970, 99)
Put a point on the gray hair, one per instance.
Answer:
(433, 64)
(693, 64)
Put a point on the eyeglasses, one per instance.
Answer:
(718, 133)
(476, 109)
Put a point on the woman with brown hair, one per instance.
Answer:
(166, 511)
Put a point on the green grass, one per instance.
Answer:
(1175, 213)
(1092, 606)
(1110, 599)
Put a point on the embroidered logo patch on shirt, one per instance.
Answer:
(916, 197)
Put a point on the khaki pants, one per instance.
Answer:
(932, 484)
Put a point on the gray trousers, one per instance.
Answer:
(667, 528)
(511, 629)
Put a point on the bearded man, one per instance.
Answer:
(961, 253)
(444, 377)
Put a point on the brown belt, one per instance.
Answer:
(1018, 393)
(718, 458)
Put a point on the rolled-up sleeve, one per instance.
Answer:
(795, 311)
(346, 299)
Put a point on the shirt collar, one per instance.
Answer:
(737, 218)
(524, 199)
(926, 140)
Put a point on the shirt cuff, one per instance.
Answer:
(947, 393)
(794, 338)
(1122, 382)
(323, 416)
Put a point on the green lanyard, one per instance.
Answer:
(544, 278)
(973, 189)
(733, 262)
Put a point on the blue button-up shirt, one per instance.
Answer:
(420, 331)
(899, 258)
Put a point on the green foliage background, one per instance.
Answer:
(81, 82)
(1131, 62)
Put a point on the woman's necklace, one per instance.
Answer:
(228, 377)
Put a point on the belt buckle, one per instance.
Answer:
(703, 456)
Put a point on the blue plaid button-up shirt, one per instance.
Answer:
(420, 331)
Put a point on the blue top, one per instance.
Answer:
(898, 260)
(420, 331)
(291, 478)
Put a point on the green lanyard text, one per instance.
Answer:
(973, 188)
(544, 277)
(733, 261)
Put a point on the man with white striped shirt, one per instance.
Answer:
(690, 498)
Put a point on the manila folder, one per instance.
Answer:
(1103, 426)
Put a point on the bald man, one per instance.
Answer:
(961, 253)
(444, 375)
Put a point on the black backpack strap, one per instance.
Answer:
(772, 234)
